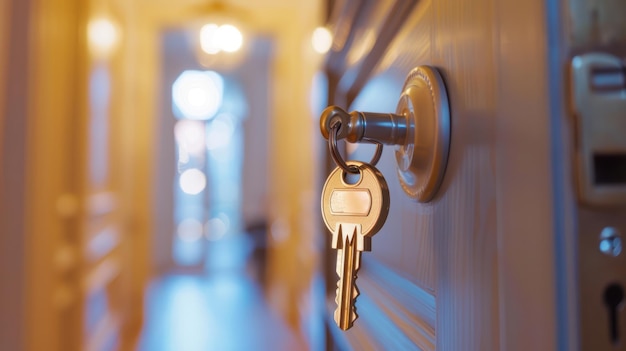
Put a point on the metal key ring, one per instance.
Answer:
(334, 152)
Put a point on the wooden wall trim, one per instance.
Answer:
(4, 53)
(54, 101)
(102, 203)
(15, 24)
(527, 291)
(345, 15)
(394, 312)
(101, 275)
(353, 83)
(382, 20)
(105, 333)
(102, 243)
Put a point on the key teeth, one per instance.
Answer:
(353, 315)
(355, 292)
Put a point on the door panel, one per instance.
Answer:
(456, 273)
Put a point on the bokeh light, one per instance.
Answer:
(102, 35)
(192, 181)
(189, 230)
(321, 40)
(217, 227)
(214, 38)
(197, 94)
(190, 135)
(229, 38)
(208, 39)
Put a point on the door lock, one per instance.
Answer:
(599, 103)
(419, 130)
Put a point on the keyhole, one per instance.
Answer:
(613, 298)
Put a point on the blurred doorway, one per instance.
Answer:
(212, 159)
(210, 228)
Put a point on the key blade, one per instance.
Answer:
(348, 263)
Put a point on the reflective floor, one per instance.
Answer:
(221, 310)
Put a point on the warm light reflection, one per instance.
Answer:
(189, 230)
(192, 181)
(214, 38)
(190, 136)
(102, 36)
(229, 37)
(322, 40)
(197, 94)
(362, 47)
(208, 39)
(220, 132)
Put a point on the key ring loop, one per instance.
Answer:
(334, 152)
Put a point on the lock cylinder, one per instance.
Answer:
(419, 130)
(383, 128)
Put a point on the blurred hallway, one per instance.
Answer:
(222, 310)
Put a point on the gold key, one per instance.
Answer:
(353, 213)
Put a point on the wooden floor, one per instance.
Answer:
(222, 310)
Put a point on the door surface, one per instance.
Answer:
(476, 267)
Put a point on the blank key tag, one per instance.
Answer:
(353, 213)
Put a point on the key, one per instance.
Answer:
(353, 213)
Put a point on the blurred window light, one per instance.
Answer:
(192, 181)
(221, 131)
(102, 36)
(321, 40)
(197, 94)
(190, 135)
(187, 253)
(189, 230)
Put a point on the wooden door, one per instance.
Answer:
(480, 267)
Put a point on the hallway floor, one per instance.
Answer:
(222, 310)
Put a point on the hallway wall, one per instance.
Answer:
(14, 49)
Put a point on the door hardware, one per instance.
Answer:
(598, 106)
(598, 88)
(354, 209)
(613, 299)
(610, 242)
(419, 130)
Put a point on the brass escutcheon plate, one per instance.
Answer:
(423, 158)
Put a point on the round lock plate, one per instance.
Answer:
(423, 158)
